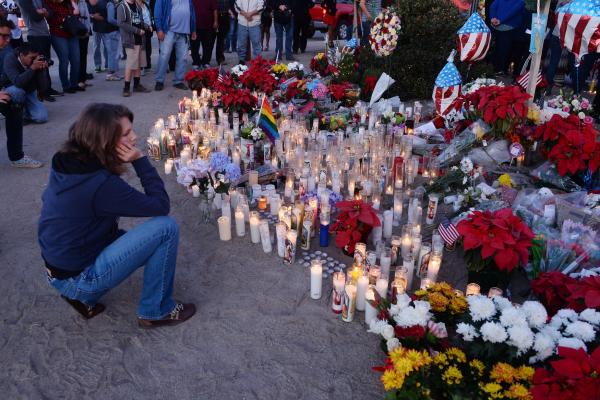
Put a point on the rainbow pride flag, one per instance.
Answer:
(266, 121)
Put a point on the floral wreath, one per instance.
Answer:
(384, 33)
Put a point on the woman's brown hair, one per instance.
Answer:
(95, 134)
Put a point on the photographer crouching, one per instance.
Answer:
(12, 111)
(24, 73)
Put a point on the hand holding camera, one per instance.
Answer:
(39, 63)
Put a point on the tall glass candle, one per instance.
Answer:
(385, 262)
(240, 224)
(224, 228)
(265, 236)
(435, 261)
(280, 231)
(370, 311)
(360, 253)
(316, 279)
(388, 220)
(382, 286)
(339, 282)
(409, 264)
(397, 207)
(361, 288)
(290, 246)
(254, 227)
(432, 208)
(253, 178)
(349, 303)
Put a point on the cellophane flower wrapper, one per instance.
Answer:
(558, 256)
(462, 143)
(547, 173)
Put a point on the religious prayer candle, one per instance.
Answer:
(397, 207)
(351, 187)
(168, 166)
(374, 274)
(253, 178)
(275, 203)
(423, 260)
(254, 227)
(388, 220)
(195, 190)
(370, 260)
(435, 261)
(416, 245)
(311, 183)
(349, 303)
(382, 286)
(280, 231)
(290, 246)
(339, 282)
(409, 264)
(406, 243)
(236, 157)
(262, 203)
(472, 289)
(240, 224)
(376, 201)
(316, 279)
(361, 288)
(432, 208)
(305, 235)
(289, 186)
(385, 262)
(224, 228)
(265, 236)
(425, 283)
(370, 311)
(377, 231)
(360, 254)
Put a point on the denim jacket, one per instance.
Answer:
(162, 15)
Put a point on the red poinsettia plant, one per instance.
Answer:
(239, 100)
(503, 107)
(353, 224)
(258, 79)
(500, 240)
(570, 143)
(338, 90)
(585, 293)
(575, 376)
(552, 289)
(205, 78)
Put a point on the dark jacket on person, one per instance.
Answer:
(509, 12)
(301, 11)
(14, 73)
(81, 208)
(101, 26)
(283, 17)
(36, 23)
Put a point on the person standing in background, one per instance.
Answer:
(10, 10)
(84, 17)
(38, 36)
(284, 21)
(330, 10)
(249, 12)
(302, 19)
(149, 21)
(506, 18)
(223, 9)
(133, 34)
(231, 43)
(370, 9)
(115, 40)
(266, 21)
(207, 23)
(175, 22)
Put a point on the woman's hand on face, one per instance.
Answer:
(128, 153)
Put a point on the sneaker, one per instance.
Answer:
(86, 311)
(89, 76)
(113, 77)
(126, 93)
(181, 86)
(52, 92)
(159, 86)
(27, 162)
(141, 89)
(182, 312)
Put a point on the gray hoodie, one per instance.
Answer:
(36, 23)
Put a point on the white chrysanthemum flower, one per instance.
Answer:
(481, 307)
(512, 316)
(551, 332)
(521, 337)
(567, 313)
(590, 315)
(493, 332)
(403, 300)
(376, 326)
(557, 322)
(535, 312)
(581, 330)
(544, 346)
(581, 115)
(467, 331)
(393, 344)
(411, 317)
(388, 332)
(572, 343)
(501, 302)
(466, 165)
(422, 307)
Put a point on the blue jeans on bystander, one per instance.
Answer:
(67, 51)
(289, 37)
(243, 33)
(153, 244)
(33, 108)
(181, 43)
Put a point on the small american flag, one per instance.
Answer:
(447, 87)
(578, 23)
(448, 232)
(220, 78)
(474, 39)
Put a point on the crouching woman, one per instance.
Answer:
(85, 252)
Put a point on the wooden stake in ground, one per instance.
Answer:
(536, 59)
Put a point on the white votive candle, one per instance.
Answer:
(361, 286)
(433, 268)
(265, 236)
(280, 231)
(240, 224)
(224, 228)
(316, 279)
(388, 221)
(382, 286)
(195, 190)
(370, 311)
(168, 166)
(254, 227)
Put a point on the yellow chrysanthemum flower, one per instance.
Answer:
(477, 365)
(452, 376)
(493, 390)
(420, 293)
(518, 392)
(524, 373)
(392, 380)
(456, 354)
(458, 305)
(503, 372)
(504, 180)
(440, 359)
(280, 68)
(438, 302)
(534, 115)
(418, 358)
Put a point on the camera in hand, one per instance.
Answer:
(43, 58)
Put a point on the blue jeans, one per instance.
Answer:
(113, 40)
(243, 32)
(289, 36)
(366, 31)
(32, 107)
(67, 51)
(153, 244)
(181, 43)
(555, 53)
(100, 50)
(231, 41)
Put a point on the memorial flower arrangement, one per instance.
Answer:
(478, 83)
(572, 104)
(446, 303)
(499, 240)
(280, 69)
(338, 90)
(238, 100)
(572, 145)
(205, 78)
(222, 173)
(384, 33)
(320, 64)
(503, 108)
(353, 224)
(239, 70)
(258, 78)
(250, 131)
